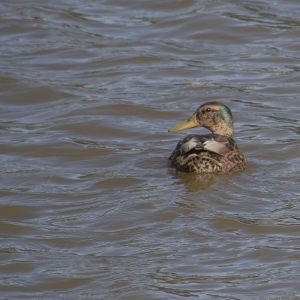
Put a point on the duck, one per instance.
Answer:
(216, 152)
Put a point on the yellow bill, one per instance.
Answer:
(189, 123)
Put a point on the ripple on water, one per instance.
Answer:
(89, 205)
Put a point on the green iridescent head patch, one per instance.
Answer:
(226, 114)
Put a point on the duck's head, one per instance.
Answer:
(214, 116)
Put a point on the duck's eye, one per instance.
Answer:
(207, 110)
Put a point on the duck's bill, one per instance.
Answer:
(189, 123)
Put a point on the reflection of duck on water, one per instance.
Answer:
(216, 152)
(194, 182)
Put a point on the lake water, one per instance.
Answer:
(89, 207)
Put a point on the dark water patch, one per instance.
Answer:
(90, 207)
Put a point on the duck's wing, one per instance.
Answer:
(210, 142)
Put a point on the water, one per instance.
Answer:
(89, 207)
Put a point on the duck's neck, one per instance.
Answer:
(226, 132)
(222, 129)
(224, 124)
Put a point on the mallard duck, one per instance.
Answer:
(215, 152)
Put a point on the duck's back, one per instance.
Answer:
(207, 153)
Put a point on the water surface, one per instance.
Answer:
(89, 207)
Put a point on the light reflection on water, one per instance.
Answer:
(89, 207)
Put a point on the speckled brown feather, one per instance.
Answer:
(216, 152)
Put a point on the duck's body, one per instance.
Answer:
(216, 152)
